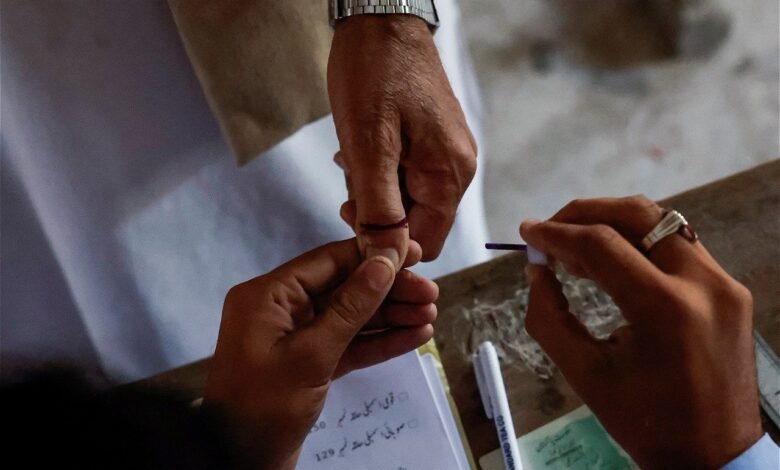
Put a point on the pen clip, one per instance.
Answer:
(484, 391)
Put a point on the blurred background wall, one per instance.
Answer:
(619, 97)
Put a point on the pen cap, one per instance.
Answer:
(535, 256)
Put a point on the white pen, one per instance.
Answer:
(493, 394)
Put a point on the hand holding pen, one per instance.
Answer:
(676, 387)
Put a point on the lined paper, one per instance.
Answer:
(385, 417)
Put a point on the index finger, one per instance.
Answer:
(634, 217)
(436, 191)
(380, 218)
(602, 255)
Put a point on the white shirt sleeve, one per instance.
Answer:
(763, 455)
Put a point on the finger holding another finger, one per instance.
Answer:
(354, 303)
(436, 178)
(394, 315)
(410, 302)
(411, 287)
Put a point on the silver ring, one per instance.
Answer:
(671, 223)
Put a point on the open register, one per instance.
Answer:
(391, 416)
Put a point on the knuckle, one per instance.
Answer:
(233, 295)
(432, 313)
(734, 297)
(241, 294)
(333, 248)
(375, 142)
(679, 304)
(683, 306)
(468, 165)
(572, 210)
(644, 209)
(743, 295)
(463, 151)
(574, 206)
(596, 237)
(639, 202)
(461, 165)
(604, 234)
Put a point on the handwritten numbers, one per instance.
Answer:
(324, 455)
(318, 426)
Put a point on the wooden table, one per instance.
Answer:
(737, 218)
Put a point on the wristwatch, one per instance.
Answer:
(425, 9)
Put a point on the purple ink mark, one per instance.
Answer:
(403, 223)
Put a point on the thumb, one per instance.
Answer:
(350, 308)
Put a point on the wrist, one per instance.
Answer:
(763, 454)
(731, 448)
(395, 25)
(703, 450)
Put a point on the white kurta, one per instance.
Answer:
(124, 216)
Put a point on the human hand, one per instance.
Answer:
(286, 335)
(676, 387)
(406, 150)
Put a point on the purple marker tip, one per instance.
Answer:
(534, 256)
(506, 246)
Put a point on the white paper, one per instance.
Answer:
(381, 418)
(445, 412)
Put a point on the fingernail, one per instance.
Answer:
(379, 271)
(389, 253)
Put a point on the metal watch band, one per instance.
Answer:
(424, 9)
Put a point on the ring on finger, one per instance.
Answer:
(672, 222)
